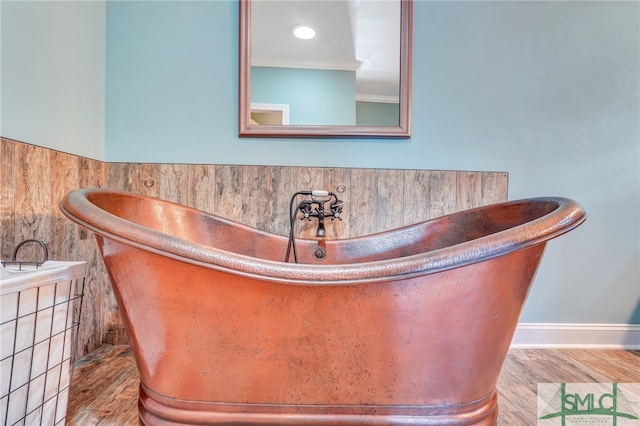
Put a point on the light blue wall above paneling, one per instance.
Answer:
(171, 94)
(53, 74)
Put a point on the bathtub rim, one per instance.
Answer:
(568, 215)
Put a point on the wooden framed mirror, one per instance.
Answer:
(352, 80)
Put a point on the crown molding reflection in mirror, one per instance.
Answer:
(248, 127)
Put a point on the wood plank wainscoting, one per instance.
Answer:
(33, 180)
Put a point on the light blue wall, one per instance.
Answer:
(171, 91)
(53, 74)
(315, 97)
(548, 91)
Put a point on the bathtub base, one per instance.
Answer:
(155, 409)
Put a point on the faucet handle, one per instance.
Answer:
(305, 208)
(336, 209)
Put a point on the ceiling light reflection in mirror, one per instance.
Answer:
(304, 32)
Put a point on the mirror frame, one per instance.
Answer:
(403, 130)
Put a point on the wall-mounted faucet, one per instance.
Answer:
(314, 206)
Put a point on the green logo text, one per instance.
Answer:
(593, 406)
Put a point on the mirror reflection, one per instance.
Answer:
(333, 64)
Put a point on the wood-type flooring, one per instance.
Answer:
(104, 389)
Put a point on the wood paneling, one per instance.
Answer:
(494, 187)
(91, 331)
(443, 190)
(416, 195)
(468, 190)
(91, 176)
(283, 186)
(201, 182)
(228, 192)
(338, 181)
(256, 185)
(390, 201)
(174, 183)
(33, 179)
(66, 175)
(32, 197)
(363, 204)
(8, 209)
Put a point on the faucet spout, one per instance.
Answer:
(321, 232)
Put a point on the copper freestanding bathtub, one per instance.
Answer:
(406, 327)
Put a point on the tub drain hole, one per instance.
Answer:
(319, 253)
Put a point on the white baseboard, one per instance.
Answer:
(569, 336)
